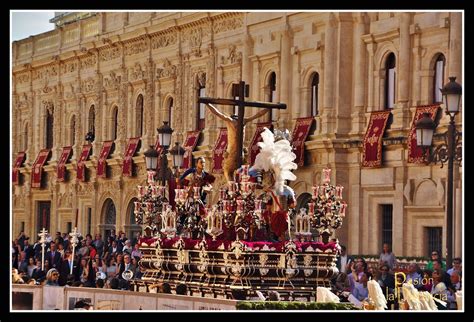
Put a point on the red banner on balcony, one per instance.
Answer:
(20, 158)
(415, 153)
(104, 154)
(254, 149)
(299, 135)
(86, 149)
(372, 153)
(127, 162)
(218, 152)
(189, 146)
(61, 169)
(38, 168)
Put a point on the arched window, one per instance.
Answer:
(271, 95)
(133, 227)
(201, 121)
(390, 81)
(438, 78)
(314, 94)
(49, 128)
(114, 123)
(109, 217)
(72, 134)
(139, 115)
(170, 105)
(91, 119)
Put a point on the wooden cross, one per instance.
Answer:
(42, 236)
(74, 234)
(239, 91)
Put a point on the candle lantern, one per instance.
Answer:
(315, 192)
(196, 193)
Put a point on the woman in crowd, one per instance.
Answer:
(111, 268)
(31, 266)
(439, 289)
(52, 277)
(387, 257)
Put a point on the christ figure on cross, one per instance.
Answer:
(231, 154)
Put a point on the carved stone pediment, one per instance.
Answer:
(136, 73)
(168, 70)
(89, 85)
(112, 81)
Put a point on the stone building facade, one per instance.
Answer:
(333, 66)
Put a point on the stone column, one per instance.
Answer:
(401, 117)
(371, 79)
(455, 47)
(330, 52)
(285, 76)
(360, 62)
(415, 97)
(398, 231)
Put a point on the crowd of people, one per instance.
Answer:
(354, 273)
(100, 263)
(97, 262)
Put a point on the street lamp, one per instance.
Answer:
(178, 156)
(164, 134)
(448, 151)
(151, 158)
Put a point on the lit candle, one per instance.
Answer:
(137, 206)
(149, 206)
(258, 204)
(222, 194)
(232, 186)
(240, 205)
(196, 192)
(340, 191)
(151, 177)
(315, 192)
(342, 212)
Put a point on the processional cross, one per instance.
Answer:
(42, 236)
(239, 91)
(74, 240)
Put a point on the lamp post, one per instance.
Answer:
(164, 133)
(178, 155)
(448, 151)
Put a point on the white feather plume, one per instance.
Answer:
(276, 156)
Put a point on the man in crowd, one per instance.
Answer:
(343, 261)
(414, 276)
(53, 256)
(456, 266)
(98, 244)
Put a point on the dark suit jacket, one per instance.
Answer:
(38, 274)
(53, 262)
(65, 270)
(28, 251)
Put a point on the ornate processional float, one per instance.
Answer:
(238, 243)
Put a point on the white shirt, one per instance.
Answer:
(343, 263)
